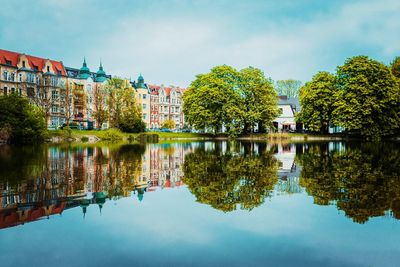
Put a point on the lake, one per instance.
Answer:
(201, 204)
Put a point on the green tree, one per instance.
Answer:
(289, 88)
(100, 106)
(26, 121)
(316, 99)
(124, 112)
(234, 99)
(395, 67)
(368, 98)
(212, 99)
(259, 97)
(169, 124)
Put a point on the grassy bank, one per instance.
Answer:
(114, 135)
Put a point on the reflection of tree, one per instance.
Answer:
(18, 163)
(224, 180)
(363, 181)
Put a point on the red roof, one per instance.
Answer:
(8, 55)
(32, 61)
(156, 88)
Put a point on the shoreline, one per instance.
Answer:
(83, 137)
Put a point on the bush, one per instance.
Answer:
(26, 121)
(112, 134)
(131, 124)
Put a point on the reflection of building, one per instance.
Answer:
(288, 171)
(85, 176)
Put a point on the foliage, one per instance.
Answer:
(317, 98)
(395, 67)
(26, 121)
(101, 113)
(124, 113)
(289, 88)
(259, 97)
(227, 97)
(226, 180)
(370, 191)
(368, 98)
(168, 124)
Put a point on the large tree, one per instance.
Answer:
(100, 106)
(259, 97)
(226, 97)
(368, 98)
(124, 112)
(317, 98)
(213, 99)
(289, 88)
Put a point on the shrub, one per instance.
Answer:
(26, 121)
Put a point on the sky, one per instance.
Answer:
(171, 41)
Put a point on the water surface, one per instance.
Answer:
(201, 204)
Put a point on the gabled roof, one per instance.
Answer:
(292, 101)
(32, 61)
(10, 56)
(155, 89)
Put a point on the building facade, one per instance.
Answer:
(64, 93)
(43, 81)
(84, 89)
(159, 103)
(166, 105)
(72, 94)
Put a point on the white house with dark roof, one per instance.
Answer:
(289, 106)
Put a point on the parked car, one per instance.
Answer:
(165, 130)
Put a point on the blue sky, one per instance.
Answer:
(170, 42)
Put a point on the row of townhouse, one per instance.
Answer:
(67, 93)
(159, 103)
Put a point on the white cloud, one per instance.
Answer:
(173, 50)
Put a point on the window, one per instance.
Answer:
(54, 95)
(144, 96)
(54, 81)
(12, 76)
(30, 78)
(54, 108)
(144, 116)
(5, 90)
(12, 90)
(48, 68)
(23, 64)
(8, 62)
(144, 106)
(5, 75)
(20, 77)
(35, 68)
(54, 121)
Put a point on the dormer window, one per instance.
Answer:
(59, 72)
(23, 64)
(35, 68)
(48, 68)
(8, 62)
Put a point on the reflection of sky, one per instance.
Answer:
(170, 228)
